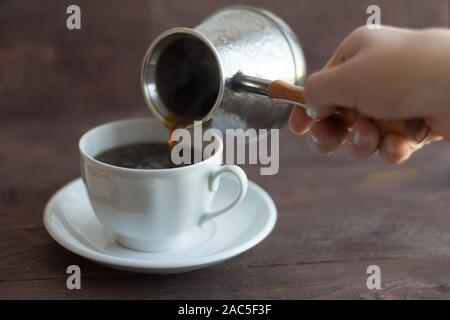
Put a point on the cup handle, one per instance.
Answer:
(214, 185)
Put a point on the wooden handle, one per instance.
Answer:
(415, 129)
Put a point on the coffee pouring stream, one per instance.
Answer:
(241, 68)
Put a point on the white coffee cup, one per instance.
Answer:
(151, 210)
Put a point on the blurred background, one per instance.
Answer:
(55, 84)
(47, 69)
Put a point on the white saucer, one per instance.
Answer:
(70, 220)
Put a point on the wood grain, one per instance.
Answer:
(336, 215)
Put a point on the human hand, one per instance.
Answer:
(384, 74)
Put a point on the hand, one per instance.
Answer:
(387, 74)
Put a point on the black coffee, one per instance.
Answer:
(150, 155)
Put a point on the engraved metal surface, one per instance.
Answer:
(256, 43)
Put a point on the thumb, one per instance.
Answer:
(329, 88)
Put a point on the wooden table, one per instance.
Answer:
(336, 216)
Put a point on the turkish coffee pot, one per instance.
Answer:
(242, 67)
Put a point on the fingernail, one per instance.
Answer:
(360, 140)
(314, 139)
(312, 112)
(291, 127)
(319, 145)
(392, 149)
(294, 131)
(312, 142)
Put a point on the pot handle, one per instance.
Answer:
(415, 129)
